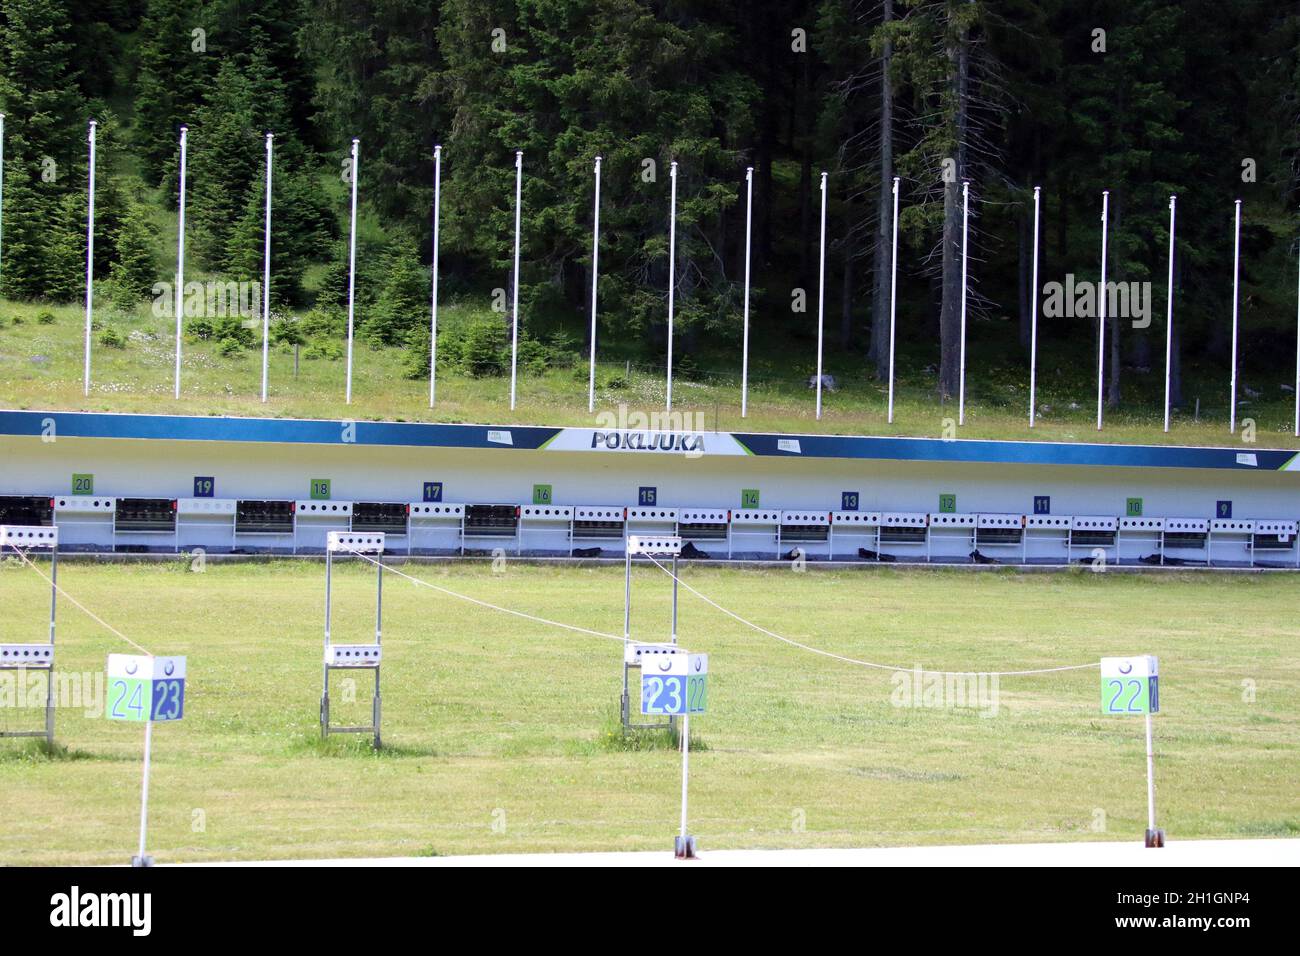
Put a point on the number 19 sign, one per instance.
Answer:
(143, 689)
(675, 684)
(1130, 685)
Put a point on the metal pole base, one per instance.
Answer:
(684, 848)
(142, 861)
(623, 711)
(324, 716)
(1155, 839)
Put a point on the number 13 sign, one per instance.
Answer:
(675, 684)
(1130, 685)
(142, 688)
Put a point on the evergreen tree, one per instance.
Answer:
(135, 267)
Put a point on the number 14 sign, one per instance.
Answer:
(1130, 685)
(142, 688)
(675, 684)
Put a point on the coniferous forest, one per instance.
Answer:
(1143, 99)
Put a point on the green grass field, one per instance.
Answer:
(490, 720)
(41, 368)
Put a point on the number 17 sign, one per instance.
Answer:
(142, 688)
(675, 684)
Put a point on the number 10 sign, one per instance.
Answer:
(1130, 685)
(143, 689)
(675, 684)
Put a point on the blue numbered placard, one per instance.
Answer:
(675, 684)
(143, 688)
(1130, 685)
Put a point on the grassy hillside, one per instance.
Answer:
(41, 368)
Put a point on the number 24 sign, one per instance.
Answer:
(675, 684)
(143, 688)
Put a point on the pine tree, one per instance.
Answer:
(135, 267)
(403, 305)
(171, 79)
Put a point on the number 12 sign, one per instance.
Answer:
(142, 688)
(675, 684)
(1130, 685)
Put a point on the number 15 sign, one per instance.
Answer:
(675, 684)
(1130, 685)
(142, 688)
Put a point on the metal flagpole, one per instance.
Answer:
(90, 253)
(141, 859)
(433, 321)
(672, 276)
(1169, 308)
(352, 266)
(1236, 282)
(1297, 349)
(266, 276)
(744, 354)
(180, 264)
(2, 189)
(821, 296)
(893, 299)
(965, 237)
(595, 272)
(1101, 302)
(1033, 316)
(514, 343)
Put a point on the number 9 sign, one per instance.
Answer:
(142, 688)
(1130, 685)
(675, 684)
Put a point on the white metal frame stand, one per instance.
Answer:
(352, 656)
(23, 538)
(661, 545)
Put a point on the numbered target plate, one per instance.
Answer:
(675, 684)
(142, 688)
(1130, 685)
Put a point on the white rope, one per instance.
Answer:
(853, 660)
(465, 597)
(77, 604)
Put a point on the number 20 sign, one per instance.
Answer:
(675, 684)
(142, 688)
(1130, 685)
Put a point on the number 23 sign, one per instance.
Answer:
(675, 684)
(142, 688)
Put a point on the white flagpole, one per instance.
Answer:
(1101, 302)
(266, 273)
(672, 276)
(1033, 316)
(180, 265)
(1236, 282)
(821, 296)
(514, 343)
(965, 237)
(90, 252)
(893, 298)
(433, 321)
(1297, 350)
(352, 266)
(1169, 308)
(595, 255)
(2, 189)
(744, 354)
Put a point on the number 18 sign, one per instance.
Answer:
(675, 684)
(142, 688)
(1130, 685)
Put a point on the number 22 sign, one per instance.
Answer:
(1130, 685)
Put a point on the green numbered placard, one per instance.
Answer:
(542, 494)
(83, 484)
(1133, 507)
(320, 489)
(675, 684)
(749, 497)
(143, 688)
(1130, 685)
(947, 504)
